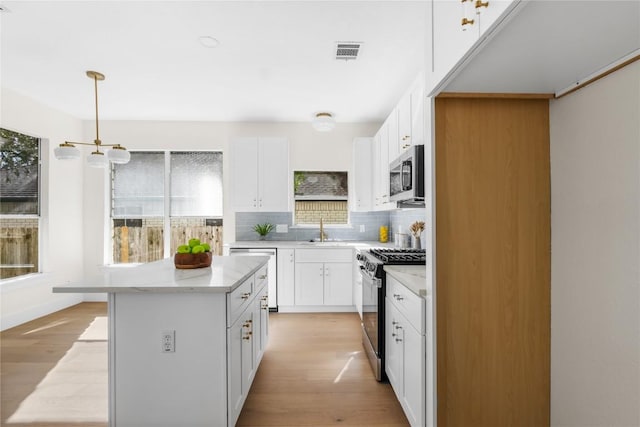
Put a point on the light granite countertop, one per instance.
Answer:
(411, 276)
(225, 274)
(303, 244)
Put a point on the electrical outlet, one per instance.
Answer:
(362, 228)
(169, 341)
(281, 228)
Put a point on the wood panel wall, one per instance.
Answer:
(493, 261)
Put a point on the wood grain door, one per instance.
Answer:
(493, 261)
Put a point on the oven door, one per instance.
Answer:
(373, 323)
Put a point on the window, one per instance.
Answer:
(321, 195)
(158, 194)
(19, 204)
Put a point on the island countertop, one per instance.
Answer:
(225, 274)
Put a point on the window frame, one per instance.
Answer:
(347, 200)
(42, 144)
(166, 215)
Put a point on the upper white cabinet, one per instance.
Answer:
(393, 133)
(417, 113)
(362, 188)
(451, 39)
(381, 169)
(405, 134)
(260, 174)
(403, 128)
(411, 117)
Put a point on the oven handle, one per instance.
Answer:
(373, 280)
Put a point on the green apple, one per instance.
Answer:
(184, 249)
(206, 247)
(194, 242)
(198, 249)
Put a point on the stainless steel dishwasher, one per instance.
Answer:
(271, 253)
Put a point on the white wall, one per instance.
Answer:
(62, 249)
(595, 280)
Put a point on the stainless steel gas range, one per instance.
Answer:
(373, 298)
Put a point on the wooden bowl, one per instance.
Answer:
(200, 260)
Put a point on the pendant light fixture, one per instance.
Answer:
(97, 158)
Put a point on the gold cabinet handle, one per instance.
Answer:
(480, 3)
(246, 295)
(466, 21)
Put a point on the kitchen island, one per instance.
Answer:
(184, 345)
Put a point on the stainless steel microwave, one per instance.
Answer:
(406, 176)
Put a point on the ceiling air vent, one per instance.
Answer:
(347, 50)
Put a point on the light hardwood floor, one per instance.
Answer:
(314, 373)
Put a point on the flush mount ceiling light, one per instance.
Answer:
(208, 41)
(97, 159)
(323, 122)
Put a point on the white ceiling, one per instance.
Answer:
(275, 61)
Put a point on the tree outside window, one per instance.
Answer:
(19, 204)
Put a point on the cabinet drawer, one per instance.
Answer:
(239, 299)
(409, 304)
(261, 278)
(324, 255)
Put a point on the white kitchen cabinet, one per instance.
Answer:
(490, 14)
(381, 169)
(320, 283)
(260, 324)
(362, 194)
(338, 286)
(404, 125)
(410, 117)
(357, 284)
(286, 277)
(393, 340)
(450, 42)
(393, 127)
(260, 174)
(309, 288)
(417, 113)
(324, 277)
(247, 338)
(406, 349)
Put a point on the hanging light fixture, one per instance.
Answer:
(323, 122)
(97, 158)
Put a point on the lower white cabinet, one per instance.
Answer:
(247, 338)
(323, 277)
(286, 277)
(405, 349)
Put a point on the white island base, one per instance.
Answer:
(183, 349)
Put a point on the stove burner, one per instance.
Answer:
(400, 256)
